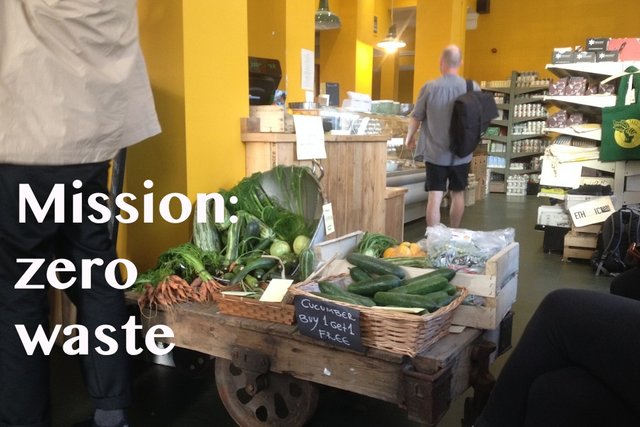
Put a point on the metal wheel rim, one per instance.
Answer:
(285, 402)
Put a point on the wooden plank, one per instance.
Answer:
(304, 359)
(394, 212)
(578, 253)
(593, 228)
(504, 264)
(580, 240)
(376, 373)
(489, 315)
(258, 157)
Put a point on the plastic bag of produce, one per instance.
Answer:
(463, 249)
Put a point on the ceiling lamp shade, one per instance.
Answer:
(325, 20)
(391, 42)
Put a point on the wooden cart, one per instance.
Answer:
(267, 373)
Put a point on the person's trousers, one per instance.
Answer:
(24, 379)
(577, 364)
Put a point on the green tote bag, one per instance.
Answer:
(621, 124)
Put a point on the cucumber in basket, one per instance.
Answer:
(373, 285)
(328, 290)
(430, 302)
(375, 265)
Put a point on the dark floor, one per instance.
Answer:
(169, 397)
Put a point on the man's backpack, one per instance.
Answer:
(619, 230)
(472, 114)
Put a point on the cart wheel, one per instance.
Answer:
(281, 400)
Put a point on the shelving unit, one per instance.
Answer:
(623, 171)
(521, 139)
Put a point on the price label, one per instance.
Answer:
(328, 322)
(327, 213)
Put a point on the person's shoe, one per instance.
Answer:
(91, 423)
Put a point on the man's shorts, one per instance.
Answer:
(437, 177)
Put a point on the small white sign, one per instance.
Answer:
(327, 213)
(592, 212)
(276, 290)
(307, 62)
(309, 137)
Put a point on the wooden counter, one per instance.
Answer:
(354, 174)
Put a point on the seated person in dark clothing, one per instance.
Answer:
(627, 284)
(577, 364)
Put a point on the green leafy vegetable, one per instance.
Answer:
(374, 244)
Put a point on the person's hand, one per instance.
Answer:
(410, 143)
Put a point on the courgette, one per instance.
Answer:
(375, 284)
(205, 234)
(440, 272)
(306, 261)
(328, 288)
(340, 298)
(450, 289)
(430, 302)
(357, 274)
(423, 286)
(375, 265)
(404, 300)
(410, 261)
(260, 263)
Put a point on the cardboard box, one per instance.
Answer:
(563, 57)
(573, 199)
(607, 56)
(597, 44)
(554, 216)
(579, 245)
(271, 117)
(470, 194)
(586, 57)
(597, 180)
(592, 212)
(494, 291)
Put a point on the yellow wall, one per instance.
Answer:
(280, 29)
(199, 99)
(525, 33)
(162, 158)
(266, 30)
(300, 35)
(216, 91)
(438, 24)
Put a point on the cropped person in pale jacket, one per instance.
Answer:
(73, 92)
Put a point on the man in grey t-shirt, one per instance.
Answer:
(432, 115)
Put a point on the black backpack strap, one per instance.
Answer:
(469, 85)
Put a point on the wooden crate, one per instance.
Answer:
(354, 173)
(394, 212)
(581, 244)
(494, 291)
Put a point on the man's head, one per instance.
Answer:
(451, 60)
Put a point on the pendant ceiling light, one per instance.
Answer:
(325, 20)
(391, 42)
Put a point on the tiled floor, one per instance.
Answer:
(167, 397)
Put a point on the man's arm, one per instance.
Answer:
(414, 125)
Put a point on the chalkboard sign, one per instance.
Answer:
(328, 322)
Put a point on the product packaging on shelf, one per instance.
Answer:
(586, 57)
(597, 44)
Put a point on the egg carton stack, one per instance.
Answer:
(517, 185)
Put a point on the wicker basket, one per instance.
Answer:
(393, 331)
(277, 312)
